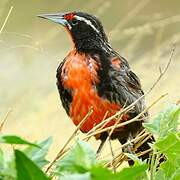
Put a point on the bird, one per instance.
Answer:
(93, 75)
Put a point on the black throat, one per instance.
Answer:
(94, 44)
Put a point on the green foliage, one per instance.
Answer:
(34, 153)
(38, 154)
(11, 139)
(170, 146)
(27, 169)
(80, 162)
(165, 127)
(165, 122)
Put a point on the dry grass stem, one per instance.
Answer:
(112, 153)
(6, 19)
(68, 141)
(126, 122)
(162, 72)
(4, 119)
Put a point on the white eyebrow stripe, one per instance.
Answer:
(87, 22)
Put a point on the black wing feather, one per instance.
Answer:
(65, 94)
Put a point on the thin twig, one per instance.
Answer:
(70, 138)
(129, 121)
(112, 153)
(137, 145)
(101, 124)
(5, 21)
(4, 119)
(126, 144)
(165, 69)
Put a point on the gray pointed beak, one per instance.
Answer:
(57, 18)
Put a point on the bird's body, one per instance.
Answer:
(93, 75)
(84, 83)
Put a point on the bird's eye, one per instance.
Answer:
(74, 22)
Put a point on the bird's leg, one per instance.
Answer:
(128, 148)
(103, 138)
(100, 146)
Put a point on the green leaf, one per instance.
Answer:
(79, 160)
(7, 166)
(38, 154)
(12, 139)
(27, 169)
(132, 173)
(170, 146)
(165, 122)
(98, 172)
(85, 176)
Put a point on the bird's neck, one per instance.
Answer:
(93, 44)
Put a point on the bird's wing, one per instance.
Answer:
(65, 94)
(123, 86)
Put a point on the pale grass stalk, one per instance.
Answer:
(119, 156)
(112, 153)
(101, 124)
(6, 19)
(5, 119)
(144, 152)
(128, 142)
(141, 142)
(129, 121)
(68, 141)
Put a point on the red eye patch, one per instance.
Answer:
(69, 16)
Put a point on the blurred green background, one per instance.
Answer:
(143, 31)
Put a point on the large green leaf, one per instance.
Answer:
(170, 146)
(165, 122)
(79, 160)
(12, 139)
(98, 172)
(27, 169)
(132, 173)
(38, 154)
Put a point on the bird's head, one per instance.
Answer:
(82, 27)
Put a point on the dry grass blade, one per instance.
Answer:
(126, 122)
(61, 152)
(4, 119)
(162, 72)
(100, 125)
(142, 141)
(134, 140)
(113, 157)
(118, 159)
(5, 21)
